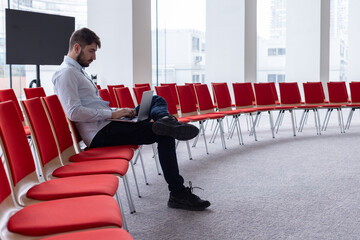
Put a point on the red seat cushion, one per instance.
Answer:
(107, 233)
(106, 166)
(196, 118)
(124, 152)
(102, 184)
(66, 215)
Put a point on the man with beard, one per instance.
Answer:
(80, 99)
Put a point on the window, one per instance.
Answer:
(271, 77)
(195, 44)
(280, 78)
(272, 52)
(195, 78)
(281, 51)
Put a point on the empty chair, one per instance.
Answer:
(147, 85)
(338, 98)
(355, 101)
(193, 91)
(173, 91)
(112, 94)
(189, 110)
(34, 92)
(314, 99)
(52, 217)
(206, 105)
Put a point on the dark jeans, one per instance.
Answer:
(139, 133)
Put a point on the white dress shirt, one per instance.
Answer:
(80, 99)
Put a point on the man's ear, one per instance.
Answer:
(77, 48)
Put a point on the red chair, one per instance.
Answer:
(193, 91)
(147, 85)
(50, 144)
(123, 98)
(314, 99)
(98, 86)
(49, 217)
(34, 92)
(173, 91)
(9, 94)
(112, 94)
(25, 184)
(107, 233)
(338, 98)
(274, 91)
(355, 101)
(104, 94)
(206, 105)
(244, 101)
(164, 92)
(138, 92)
(189, 110)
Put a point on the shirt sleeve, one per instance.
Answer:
(66, 88)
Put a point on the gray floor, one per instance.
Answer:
(303, 187)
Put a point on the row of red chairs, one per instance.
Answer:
(76, 198)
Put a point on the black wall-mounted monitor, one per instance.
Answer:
(37, 38)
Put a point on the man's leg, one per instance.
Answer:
(124, 133)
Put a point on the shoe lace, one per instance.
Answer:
(191, 187)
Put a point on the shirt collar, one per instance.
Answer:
(72, 62)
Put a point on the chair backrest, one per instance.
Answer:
(321, 89)
(314, 93)
(273, 90)
(147, 85)
(138, 92)
(187, 102)
(34, 92)
(98, 86)
(20, 162)
(112, 94)
(124, 98)
(243, 95)
(205, 102)
(60, 126)
(289, 93)
(43, 136)
(164, 91)
(264, 94)
(222, 96)
(193, 91)
(355, 92)
(9, 94)
(105, 95)
(337, 92)
(173, 91)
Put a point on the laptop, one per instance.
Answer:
(144, 110)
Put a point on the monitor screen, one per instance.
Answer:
(37, 38)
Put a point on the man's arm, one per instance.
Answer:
(66, 87)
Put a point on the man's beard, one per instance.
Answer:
(82, 61)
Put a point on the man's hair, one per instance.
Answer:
(84, 37)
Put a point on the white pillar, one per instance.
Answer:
(125, 33)
(307, 41)
(354, 40)
(250, 41)
(225, 41)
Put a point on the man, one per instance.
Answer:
(82, 104)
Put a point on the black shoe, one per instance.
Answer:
(187, 200)
(170, 126)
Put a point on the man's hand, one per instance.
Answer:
(123, 112)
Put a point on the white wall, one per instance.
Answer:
(354, 41)
(124, 28)
(225, 41)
